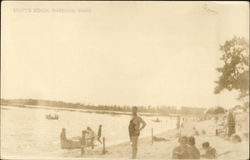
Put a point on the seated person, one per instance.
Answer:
(195, 153)
(210, 152)
(65, 143)
(183, 150)
(195, 132)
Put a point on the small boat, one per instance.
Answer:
(156, 120)
(55, 117)
(70, 144)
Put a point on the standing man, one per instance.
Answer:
(135, 126)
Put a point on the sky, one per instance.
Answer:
(124, 53)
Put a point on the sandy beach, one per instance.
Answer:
(125, 80)
(163, 149)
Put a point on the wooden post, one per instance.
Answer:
(216, 121)
(92, 143)
(103, 146)
(83, 142)
(180, 132)
(152, 135)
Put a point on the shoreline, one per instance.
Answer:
(57, 152)
(84, 110)
(112, 151)
(4, 107)
(163, 149)
(159, 149)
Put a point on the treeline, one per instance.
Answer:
(161, 110)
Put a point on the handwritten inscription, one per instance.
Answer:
(51, 10)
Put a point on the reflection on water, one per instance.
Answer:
(26, 132)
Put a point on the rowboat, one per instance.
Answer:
(56, 117)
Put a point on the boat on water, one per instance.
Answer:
(50, 117)
(156, 120)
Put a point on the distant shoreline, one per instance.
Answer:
(148, 110)
(81, 110)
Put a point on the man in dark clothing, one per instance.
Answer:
(183, 150)
(136, 124)
(210, 152)
(195, 153)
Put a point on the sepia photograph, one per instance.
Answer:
(114, 80)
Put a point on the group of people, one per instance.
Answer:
(90, 137)
(187, 149)
(180, 123)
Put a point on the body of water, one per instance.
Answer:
(26, 131)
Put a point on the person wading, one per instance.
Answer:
(136, 124)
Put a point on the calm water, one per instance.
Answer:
(26, 132)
